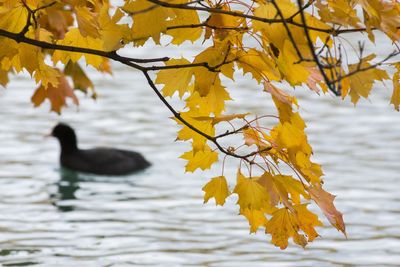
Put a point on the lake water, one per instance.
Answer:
(157, 218)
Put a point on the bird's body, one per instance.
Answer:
(101, 160)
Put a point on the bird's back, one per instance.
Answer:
(105, 161)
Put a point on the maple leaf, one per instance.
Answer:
(220, 21)
(112, 32)
(325, 201)
(274, 33)
(282, 226)
(310, 170)
(56, 95)
(13, 16)
(288, 63)
(74, 38)
(279, 94)
(267, 181)
(259, 64)
(186, 133)
(180, 35)
(285, 224)
(201, 159)
(8, 49)
(56, 21)
(293, 186)
(220, 118)
(28, 57)
(47, 75)
(256, 218)
(280, 186)
(381, 15)
(307, 221)
(289, 136)
(80, 79)
(253, 137)
(149, 20)
(212, 102)
(87, 22)
(251, 194)
(338, 12)
(175, 80)
(314, 79)
(395, 99)
(361, 82)
(213, 56)
(216, 188)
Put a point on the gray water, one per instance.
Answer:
(49, 217)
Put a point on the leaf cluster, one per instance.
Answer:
(278, 44)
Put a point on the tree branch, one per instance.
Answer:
(312, 50)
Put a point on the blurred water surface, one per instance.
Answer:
(52, 217)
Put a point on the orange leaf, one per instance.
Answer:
(57, 95)
(325, 201)
(279, 94)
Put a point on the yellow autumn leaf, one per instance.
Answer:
(8, 49)
(285, 109)
(307, 221)
(382, 15)
(281, 227)
(212, 56)
(395, 99)
(275, 33)
(286, 224)
(251, 195)
(340, 12)
(292, 186)
(361, 82)
(216, 188)
(198, 141)
(47, 75)
(259, 64)
(80, 79)
(310, 170)
(267, 181)
(74, 38)
(175, 80)
(4, 78)
(253, 137)
(290, 67)
(88, 24)
(289, 136)
(201, 159)
(112, 32)
(28, 57)
(222, 23)
(13, 16)
(149, 20)
(180, 35)
(256, 218)
(280, 187)
(212, 102)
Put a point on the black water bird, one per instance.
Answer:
(101, 160)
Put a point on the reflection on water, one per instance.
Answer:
(52, 217)
(66, 188)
